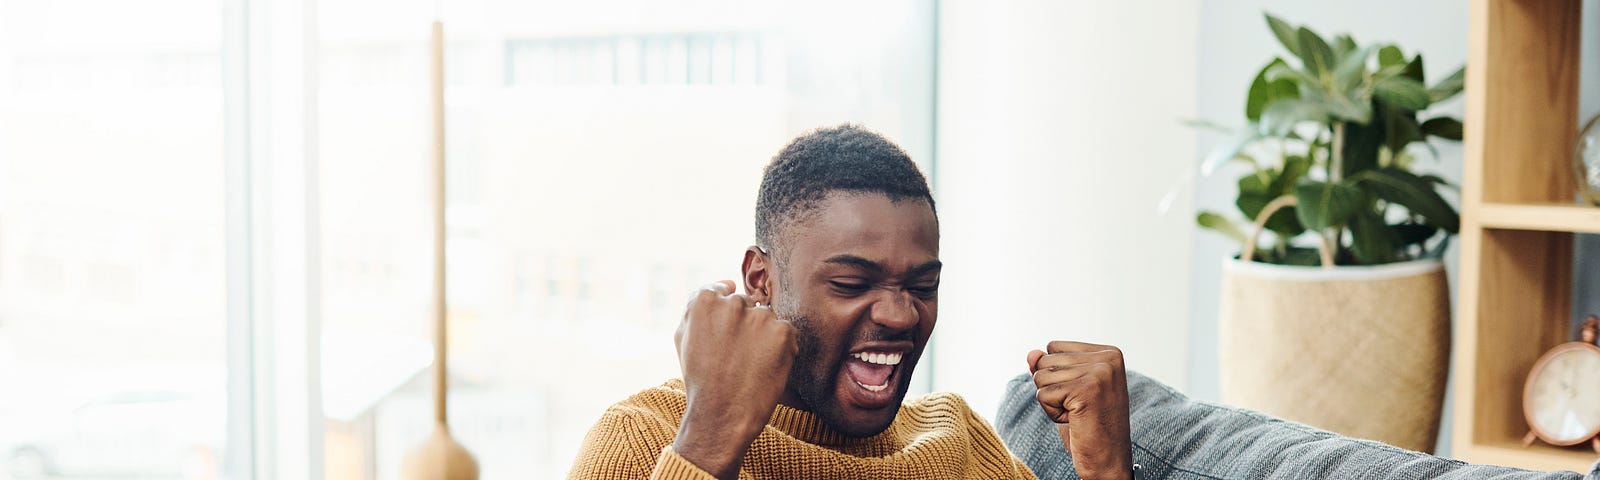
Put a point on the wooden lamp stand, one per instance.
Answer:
(441, 457)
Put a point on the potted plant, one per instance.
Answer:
(1336, 312)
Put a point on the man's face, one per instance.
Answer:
(861, 285)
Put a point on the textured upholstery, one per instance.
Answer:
(1175, 437)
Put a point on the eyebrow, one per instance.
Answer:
(874, 267)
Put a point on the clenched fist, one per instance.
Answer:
(1084, 389)
(735, 357)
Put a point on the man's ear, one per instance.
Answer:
(757, 271)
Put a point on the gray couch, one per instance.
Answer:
(1175, 437)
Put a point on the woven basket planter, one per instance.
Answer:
(1362, 351)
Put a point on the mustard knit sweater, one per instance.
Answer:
(935, 436)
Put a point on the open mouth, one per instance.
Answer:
(874, 373)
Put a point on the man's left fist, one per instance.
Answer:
(1083, 387)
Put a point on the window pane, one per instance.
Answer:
(112, 300)
(603, 162)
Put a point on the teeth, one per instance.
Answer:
(879, 357)
(873, 388)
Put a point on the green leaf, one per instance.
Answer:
(1285, 224)
(1343, 44)
(1327, 205)
(1390, 55)
(1401, 91)
(1361, 144)
(1285, 72)
(1443, 127)
(1413, 233)
(1414, 68)
(1387, 71)
(1315, 52)
(1400, 128)
(1417, 195)
(1257, 183)
(1228, 150)
(1255, 191)
(1221, 225)
(1285, 33)
(1448, 87)
(1371, 240)
(1439, 181)
(1295, 167)
(1264, 91)
(1281, 116)
(1352, 64)
(1344, 108)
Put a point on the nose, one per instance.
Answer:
(896, 310)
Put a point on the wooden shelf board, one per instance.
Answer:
(1537, 457)
(1543, 217)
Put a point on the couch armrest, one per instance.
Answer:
(1178, 438)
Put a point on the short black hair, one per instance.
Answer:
(844, 158)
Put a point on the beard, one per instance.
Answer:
(813, 377)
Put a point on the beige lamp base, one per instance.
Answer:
(441, 458)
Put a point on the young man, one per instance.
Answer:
(804, 375)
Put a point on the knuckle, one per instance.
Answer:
(703, 295)
(1102, 370)
(729, 304)
(707, 292)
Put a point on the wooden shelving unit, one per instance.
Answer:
(1546, 218)
(1518, 220)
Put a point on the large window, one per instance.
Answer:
(112, 299)
(603, 162)
(203, 251)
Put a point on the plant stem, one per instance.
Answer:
(1336, 162)
(1336, 175)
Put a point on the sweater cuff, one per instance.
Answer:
(670, 466)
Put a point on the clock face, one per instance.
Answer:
(1563, 395)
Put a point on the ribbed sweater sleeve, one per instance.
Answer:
(673, 467)
(623, 445)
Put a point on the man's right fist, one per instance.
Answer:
(735, 358)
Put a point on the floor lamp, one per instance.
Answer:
(441, 458)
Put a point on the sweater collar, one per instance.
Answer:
(807, 427)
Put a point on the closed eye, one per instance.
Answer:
(849, 288)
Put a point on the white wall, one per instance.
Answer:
(1058, 134)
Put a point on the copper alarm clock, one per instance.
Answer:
(1561, 399)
